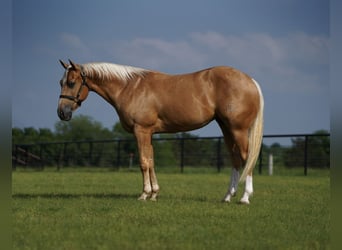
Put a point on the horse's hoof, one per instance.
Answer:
(244, 202)
(154, 197)
(143, 197)
(226, 200)
(228, 197)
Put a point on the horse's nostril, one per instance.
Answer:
(64, 113)
(60, 113)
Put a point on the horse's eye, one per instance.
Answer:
(71, 84)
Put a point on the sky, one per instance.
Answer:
(283, 44)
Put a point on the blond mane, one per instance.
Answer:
(110, 71)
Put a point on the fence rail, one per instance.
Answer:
(301, 150)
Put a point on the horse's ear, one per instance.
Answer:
(63, 64)
(73, 65)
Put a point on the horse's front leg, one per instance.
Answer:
(150, 184)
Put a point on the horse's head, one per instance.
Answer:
(74, 90)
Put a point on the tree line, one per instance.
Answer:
(193, 150)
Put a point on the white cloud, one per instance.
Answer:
(260, 45)
(308, 48)
(72, 41)
(154, 53)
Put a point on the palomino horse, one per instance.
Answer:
(150, 102)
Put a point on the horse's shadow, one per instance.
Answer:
(73, 196)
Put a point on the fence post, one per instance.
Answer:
(270, 164)
(306, 155)
(131, 155)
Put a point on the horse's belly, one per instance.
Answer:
(185, 119)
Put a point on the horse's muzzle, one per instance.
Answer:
(64, 113)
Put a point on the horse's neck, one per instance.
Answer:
(109, 90)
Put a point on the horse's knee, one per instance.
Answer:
(146, 163)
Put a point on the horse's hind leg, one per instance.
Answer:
(237, 143)
(236, 160)
(241, 141)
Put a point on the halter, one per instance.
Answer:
(76, 99)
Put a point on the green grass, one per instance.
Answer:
(99, 210)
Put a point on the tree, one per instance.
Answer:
(46, 135)
(196, 151)
(120, 133)
(318, 151)
(17, 136)
(31, 135)
(127, 145)
(81, 128)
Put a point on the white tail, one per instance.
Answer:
(254, 138)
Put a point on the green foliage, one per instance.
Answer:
(292, 156)
(120, 133)
(127, 146)
(192, 150)
(99, 210)
(81, 128)
(318, 151)
(31, 135)
(164, 155)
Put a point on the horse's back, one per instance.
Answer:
(221, 87)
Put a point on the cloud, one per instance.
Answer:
(259, 45)
(308, 48)
(159, 54)
(73, 42)
(296, 60)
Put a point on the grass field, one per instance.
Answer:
(99, 210)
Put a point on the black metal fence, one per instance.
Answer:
(291, 151)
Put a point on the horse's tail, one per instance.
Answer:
(254, 138)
